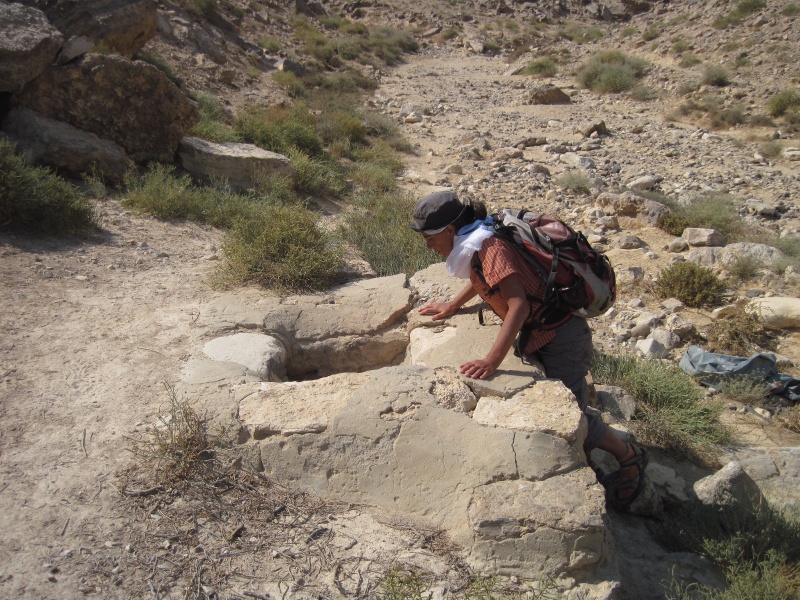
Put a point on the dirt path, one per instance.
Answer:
(90, 333)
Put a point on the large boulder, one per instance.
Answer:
(69, 150)
(122, 26)
(521, 502)
(28, 45)
(352, 328)
(777, 311)
(130, 103)
(238, 163)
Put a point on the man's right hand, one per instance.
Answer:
(437, 310)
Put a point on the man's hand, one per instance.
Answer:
(438, 310)
(478, 369)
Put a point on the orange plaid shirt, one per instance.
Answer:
(499, 260)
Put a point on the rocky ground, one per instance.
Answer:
(93, 329)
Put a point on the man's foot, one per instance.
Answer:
(625, 485)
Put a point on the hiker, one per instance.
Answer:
(458, 231)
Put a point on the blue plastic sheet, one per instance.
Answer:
(710, 369)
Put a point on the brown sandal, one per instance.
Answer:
(614, 483)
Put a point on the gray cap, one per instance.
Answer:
(436, 211)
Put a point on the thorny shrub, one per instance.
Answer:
(690, 283)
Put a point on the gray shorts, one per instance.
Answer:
(568, 358)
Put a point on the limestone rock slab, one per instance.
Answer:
(238, 163)
(547, 407)
(558, 520)
(294, 407)
(777, 311)
(262, 354)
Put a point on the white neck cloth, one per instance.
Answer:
(459, 261)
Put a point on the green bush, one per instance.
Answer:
(738, 332)
(281, 247)
(269, 43)
(611, 71)
(214, 118)
(580, 33)
(575, 182)
(680, 46)
(541, 67)
(294, 86)
(205, 7)
(672, 222)
(782, 102)
(742, 9)
(159, 62)
(691, 284)
(280, 129)
(378, 226)
(790, 10)
(715, 210)
(671, 412)
(37, 200)
(389, 44)
(689, 60)
(651, 33)
(770, 149)
(716, 75)
(316, 175)
(163, 194)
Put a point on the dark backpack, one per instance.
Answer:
(579, 279)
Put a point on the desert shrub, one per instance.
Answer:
(204, 7)
(541, 67)
(680, 46)
(611, 71)
(378, 226)
(282, 248)
(628, 31)
(341, 124)
(384, 127)
(269, 43)
(350, 47)
(770, 149)
(745, 268)
(780, 103)
(214, 117)
(180, 446)
(759, 550)
(315, 43)
(760, 121)
(740, 11)
(580, 33)
(727, 117)
(689, 60)
(671, 412)
(575, 182)
(37, 200)
(389, 44)
(672, 222)
(743, 389)
(790, 10)
(715, 210)
(159, 62)
(691, 284)
(294, 86)
(643, 93)
(316, 175)
(716, 75)
(739, 332)
(651, 33)
(165, 195)
(791, 418)
(280, 129)
(687, 87)
(446, 35)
